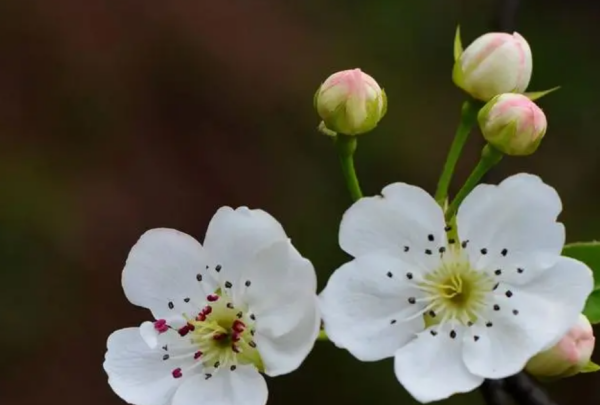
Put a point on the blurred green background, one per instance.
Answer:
(120, 116)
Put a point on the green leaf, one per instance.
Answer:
(458, 48)
(591, 367)
(587, 252)
(534, 95)
(592, 307)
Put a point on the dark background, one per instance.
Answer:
(120, 116)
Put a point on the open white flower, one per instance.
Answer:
(454, 306)
(243, 303)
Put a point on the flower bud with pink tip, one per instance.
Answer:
(569, 356)
(493, 64)
(350, 102)
(513, 124)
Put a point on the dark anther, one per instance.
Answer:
(465, 243)
(430, 238)
(433, 333)
(442, 249)
(489, 324)
(218, 268)
(498, 272)
(199, 277)
(166, 357)
(409, 275)
(165, 347)
(393, 321)
(247, 283)
(239, 315)
(520, 270)
(428, 251)
(496, 307)
(469, 323)
(186, 300)
(515, 312)
(412, 300)
(475, 338)
(496, 286)
(406, 248)
(217, 364)
(207, 267)
(432, 313)
(483, 251)
(389, 274)
(448, 228)
(452, 334)
(233, 367)
(230, 305)
(171, 305)
(509, 293)
(253, 317)
(504, 252)
(252, 344)
(228, 284)
(207, 376)
(451, 241)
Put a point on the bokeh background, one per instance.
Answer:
(120, 116)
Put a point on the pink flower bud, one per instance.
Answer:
(493, 64)
(569, 356)
(513, 124)
(350, 102)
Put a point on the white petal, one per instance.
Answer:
(136, 372)
(243, 386)
(364, 308)
(282, 354)
(431, 368)
(404, 216)
(162, 270)
(547, 307)
(234, 237)
(515, 225)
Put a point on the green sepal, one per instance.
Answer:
(458, 48)
(534, 95)
(326, 131)
(590, 367)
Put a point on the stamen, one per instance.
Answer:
(509, 293)
(199, 277)
(520, 270)
(171, 305)
(498, 272)
(389, 274)
(430, 238)
(218, 268)
(448, 228)
(428, 251)
(247, 283)
(496, 307)
(515, 312)
(406, 248)
(161, 326)
(197, 355)
(177, 373)
(409, 275)
(228, 284)
(484, 251)
(212, 297)
(233, 367)
(165, 357)
(504, 252)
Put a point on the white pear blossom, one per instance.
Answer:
(243, 303)
(454, 306)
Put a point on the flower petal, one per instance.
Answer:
(367, 303)
(243, 386)
(512, 225)
(283, 353)
(136, 372)
(529, 319)
(404, 218)
(431, 368)
(234, 237)
(162, 272)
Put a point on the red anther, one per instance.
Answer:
(161, 326)
(212, 297)
(219, 336)
(177, 373)
(238, 326)
(235, 337)
(191, 327)
(235, 348)
(184, 330)
(207, 310)
(201, 317)
(197, 355)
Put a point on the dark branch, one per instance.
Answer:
(493, 392)
(526, 391)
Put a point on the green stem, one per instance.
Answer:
(490, 157)
(468, 118)
(346, 145)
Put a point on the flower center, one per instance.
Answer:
(455, 291)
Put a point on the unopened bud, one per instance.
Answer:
(350, 102)
(493, 64)
(569, 356)
(513, 124)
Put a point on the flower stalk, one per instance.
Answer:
(346, 146)
(468, 119)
